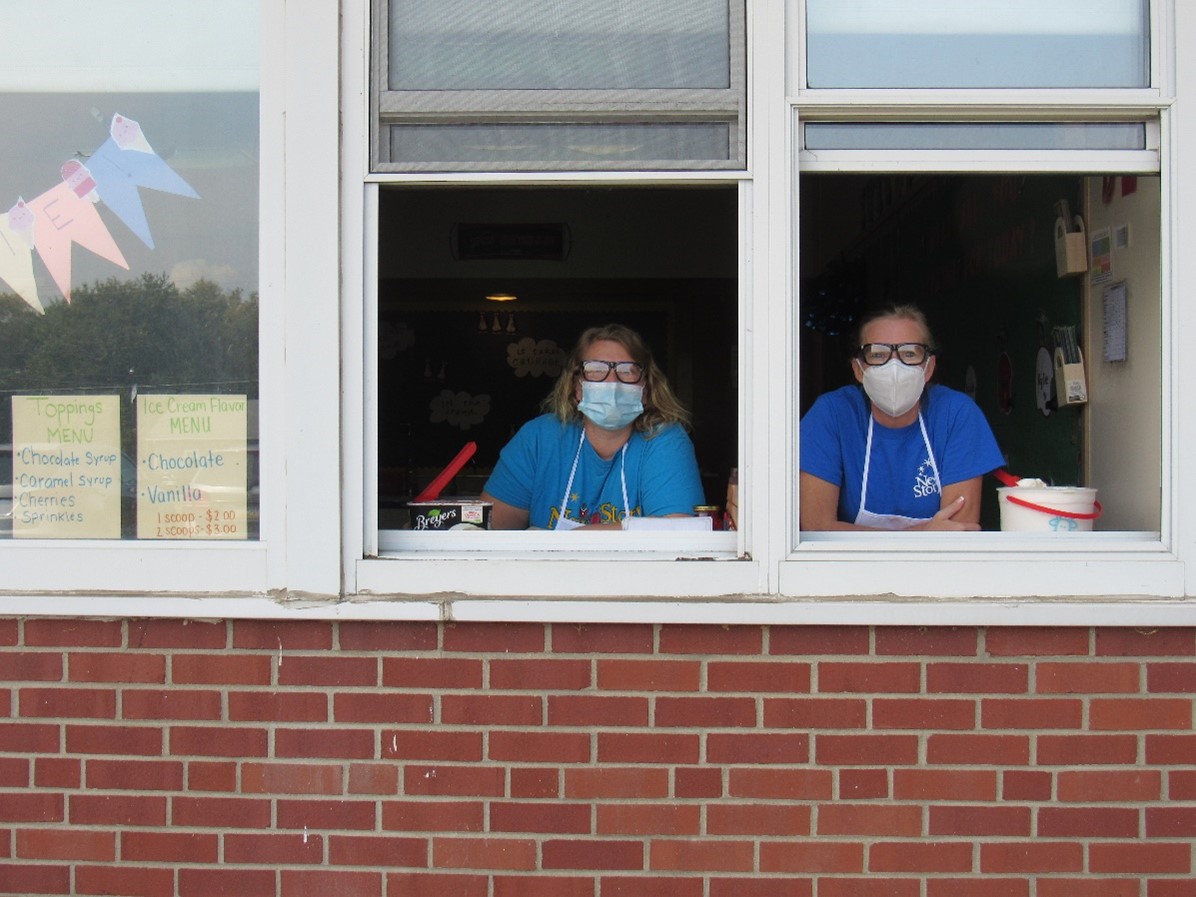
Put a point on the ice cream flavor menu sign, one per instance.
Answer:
(191, 467)
(66, 467)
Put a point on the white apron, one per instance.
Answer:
(564, 523)
(892, 521)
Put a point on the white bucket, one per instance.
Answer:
(1047, 509)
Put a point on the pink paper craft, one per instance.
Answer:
(64, 219)
(16, 263)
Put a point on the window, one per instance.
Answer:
(471, 85)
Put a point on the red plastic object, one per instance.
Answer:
(432, 492)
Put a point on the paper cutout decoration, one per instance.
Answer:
(64, 219)
(16, 254)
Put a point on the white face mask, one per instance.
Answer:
(894, 387)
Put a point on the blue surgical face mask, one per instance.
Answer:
(613, 405)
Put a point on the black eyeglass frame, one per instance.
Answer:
(894, 350)
(633, 368)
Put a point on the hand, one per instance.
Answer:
(944, 520)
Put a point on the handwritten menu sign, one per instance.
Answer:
(66, 467)
(191, 467)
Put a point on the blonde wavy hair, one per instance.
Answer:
(661, 406)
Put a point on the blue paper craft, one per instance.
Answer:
(119, 172)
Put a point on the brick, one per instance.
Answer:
(126, 666)
(431, 672)
(134, 775)
(753, 677)
(977, 678)
(495, 853)
(14, 772)
(66, 844)
(209, 882)
(988, 886)
(881, 820)
(32, 806)
(1089, 886)
(710, 640)
(1026, 785)
(650, 675)
(863, 784)
(601, 711)
(869, 678)
(221, 669)
(492, 710)
(762, 820)
(277, 706)
(645, 885)
(1177, 678)
(148, 882)
(10, 632)
(589, 854)
(1088, 822)
(1086, 750)
(697, 782)
(980, 821)
(30, 666)
(535, 782)
(1181, 785)
(697, 855)
(30, 738)
(866, 750)
(648, 819)
(218, 741)
(1170, 888)
(923, 713)
(542, 885)
(27, 879)
(1170, 750)
(540, 675)
(921, 856)
(602, 638)
(1087, 678)
(1136, 857)
(1137, 714)
(628, 783)
(306, 882)
(1031, 713)
(1034, 641)
(495, 638)
(57, 772)
(873, 886)
(927, 641)
(170, 704)
(648, 747)
(1037, 857)
(73, 633)
(815, 713)
(211, 776)
(540, 747)
(1120, 785)
(1171, 822)
(371, 707)
(978, 750)
(479, 781)
(274, 849)
(374, 637)
(175, 848)
(67, 703)
(749, 748)
(433, 816)
(221, 813)
(781, 784)
(280, 637)
(377, 850)
(437, 744)
(178, 634)
(291, 778)
(1180, 642)
(945, 784)
(438, 884)
(330, 672)
(341, 744)
(373, 778)
(117, 810)
(819, 640)
(705, 713)
(318, 814)
(761, 887)
(552, 817)
(812, 857)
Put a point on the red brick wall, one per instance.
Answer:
(382, 759)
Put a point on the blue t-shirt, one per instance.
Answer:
(533, 469)
(834, 434)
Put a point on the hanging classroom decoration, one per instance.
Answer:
(51, 223)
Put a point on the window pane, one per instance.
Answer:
(128, 269)
(965, 136)
(571, 44)
(978, 43)
(508, 145)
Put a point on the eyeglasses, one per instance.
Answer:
(913, 354)
(626, 371)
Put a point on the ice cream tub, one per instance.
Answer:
(446, 513)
